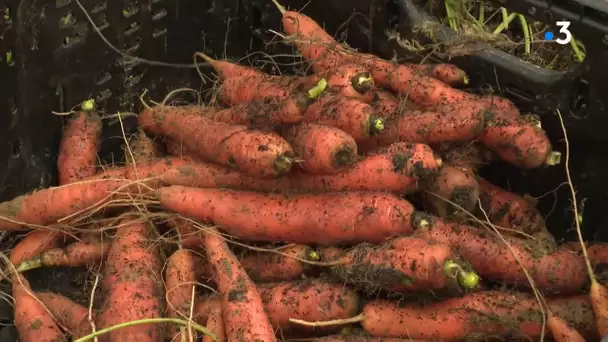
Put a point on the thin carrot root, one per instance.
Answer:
(75, 254)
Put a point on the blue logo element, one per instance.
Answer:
(548, 35)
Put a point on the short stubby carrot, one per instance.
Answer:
(142, 148)
(499, 314)
(518, 141)
(52, 204)
(268, 112)
(354, 117)
(257, 153)
(455, 123)
(319, 48)
(132, 284)
(310, 300)
(287, 263)
(323, 149)
(32, 320)
(448, 73)
(456, 184)
(493, 259)
(80, 141)
(403, 264)
(68, 313)
(242, 308)
(180, 279)
(304, 218)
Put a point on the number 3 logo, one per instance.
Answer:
(563, 25)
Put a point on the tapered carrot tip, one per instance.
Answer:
(283, 164)
(204, 57)
(29, 265)
(279, 6)
(362, 82)
(599, 300)
(554, 158)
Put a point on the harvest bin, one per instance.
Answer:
(53, 59)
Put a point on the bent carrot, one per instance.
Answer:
(69, 314)
(180, 279)
(132, 284)
(518, 141)
(458, 184)
(402, 264)
(32, 320)
(307, 218)
(324, 149)
(242, 307)
(77, 158)
(447, 73)
(493, 259)
(260, 154)
(354, 117)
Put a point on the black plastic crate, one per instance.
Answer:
(53, 58)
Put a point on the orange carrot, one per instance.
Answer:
(32, 320)
(492, 259)
(215, 324)
(385, 104)
(454, 123)
(311, 300)
(142, 148)
(260, 154)
(562, 331)
(35, 243)
(226, 69)
(448, 73)
(349, 80)
(243, 310)
(177, 149)
(465, 154)
(499, 314)
(457, 184)
(187, 233)
(69, 314)
(397, 168)
(78, 148)
(402, 264)
(518, 141)
(316, 46)
(180, 279)
(272, 266)
(75, 254)
(262, 113)
(357, 338)
(308, 218)
(324, 149)
(132, 284)
(509, 210)
(354, 117)
(599, 299)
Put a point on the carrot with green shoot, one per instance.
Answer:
(254, 152)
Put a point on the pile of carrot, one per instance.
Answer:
(343, 205)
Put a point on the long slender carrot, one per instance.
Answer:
(308, 218)
(397, 168)
(68, 313)
(77, 158)
(180, 278)
(260, 154)
(243, 311)
(34, 323)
